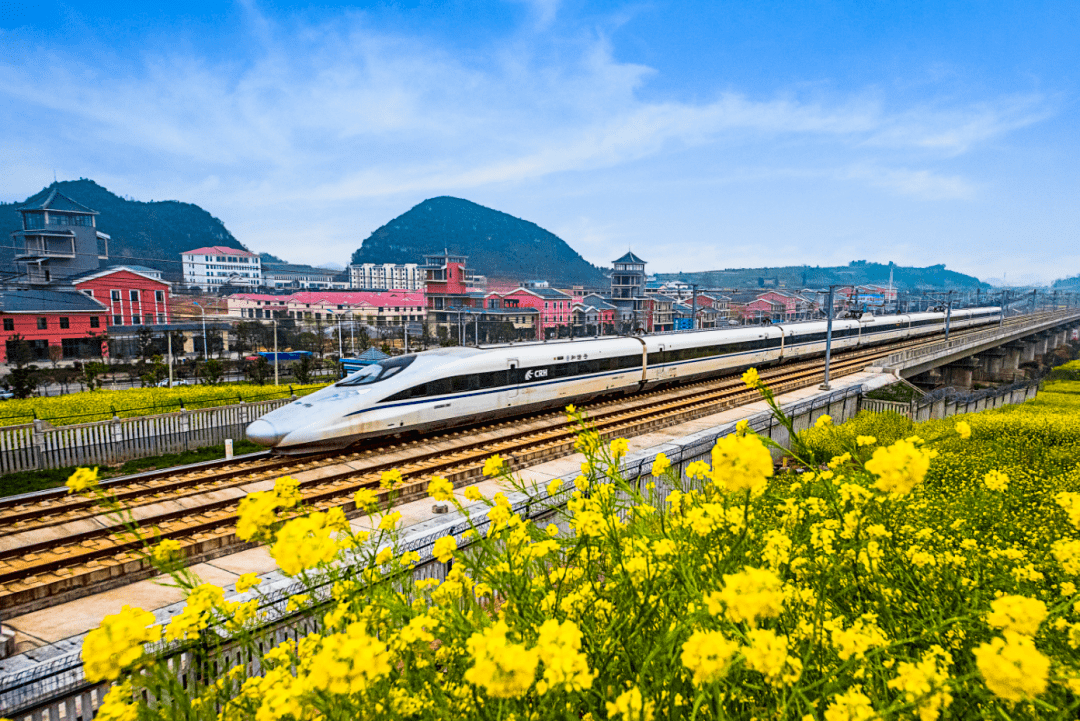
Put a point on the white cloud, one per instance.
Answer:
(320, 117)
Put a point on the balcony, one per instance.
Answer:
(44, 247)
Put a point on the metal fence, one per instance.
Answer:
(39, 446)
(945, 402)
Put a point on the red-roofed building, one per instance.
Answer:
(215, 266)
(132, 296)
(389, 308)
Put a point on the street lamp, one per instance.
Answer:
(205, 348)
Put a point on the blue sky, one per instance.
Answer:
(702, 135)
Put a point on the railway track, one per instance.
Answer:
(55, 547)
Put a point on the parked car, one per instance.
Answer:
(176, 382)
(5, 395)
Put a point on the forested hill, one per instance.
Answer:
(151, 234)
(804, 276)
(498, 245)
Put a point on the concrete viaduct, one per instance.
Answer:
(994, 355)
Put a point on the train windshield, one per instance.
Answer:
(379, 371)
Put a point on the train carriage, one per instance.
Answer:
(447, 387)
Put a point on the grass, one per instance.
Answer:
(27, 481)
(897, 393)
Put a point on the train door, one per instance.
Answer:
(511, 377)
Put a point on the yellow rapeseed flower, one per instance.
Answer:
(963, 429)
(1012, 667)
(559, 649)
(247, 581)
(304, 543)
(389, 480)
(365, 497)
(83, 479)
(440, 489)
(822, 421)
(201, 605)
(749, 595)
(900, 467)
(851, 706)
(167, 551)
(741, 463)
(287, 490)
(348, 663)
(256, 514)
(751, 379)
(389, 521)
(493, 466)
(118, 704)
(117, 643)
(996, 481)
(1018, 614)
(631, 706)
(444, 548)
(503, 668)
(708, 655)
(619, 448)
(660, 465)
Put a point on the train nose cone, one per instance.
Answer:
(264, 433)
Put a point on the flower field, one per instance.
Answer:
(100, 405)
(899, 572)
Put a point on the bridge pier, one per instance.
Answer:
(960, 374)
(991, 364)
(1027, 354)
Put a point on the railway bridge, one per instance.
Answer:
(992, 355)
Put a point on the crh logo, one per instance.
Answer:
(530, 375)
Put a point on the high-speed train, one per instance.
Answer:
(452, 386)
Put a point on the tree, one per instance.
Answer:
(156, 372)
(303, 369)
(22, 381)
(144, 339)
(93, 375)
(259, 371)
(19, 352)
(211, 372)
(56, 353)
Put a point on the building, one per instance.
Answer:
(406, 276)
(290, 276)
(593, 315)
(661, 314)
(376, 309)
(131, 297)
(628, 277)
(59, 239)
(64, 319)
(216, 266)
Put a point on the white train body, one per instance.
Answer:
(447, 387)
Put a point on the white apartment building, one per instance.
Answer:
(407, 276)
(214, 266)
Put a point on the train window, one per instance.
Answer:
(379, 371)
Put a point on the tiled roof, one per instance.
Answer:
(47, 301)
(340, 297)
(629, 258)
(101, 272)
(56, 200)
(219, 250)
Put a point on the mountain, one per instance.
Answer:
(151, 234)
(498, 245)
(804, 276)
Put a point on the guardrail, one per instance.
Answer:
(1017, 326)
(39, 445)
